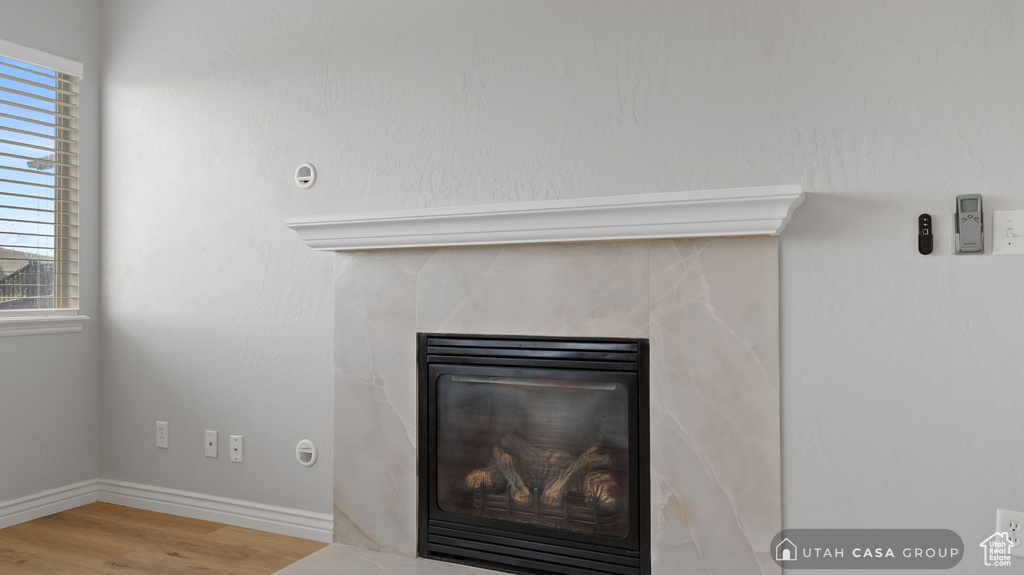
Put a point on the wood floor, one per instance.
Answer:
(105, 539)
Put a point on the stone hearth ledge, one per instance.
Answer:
(707, 213)
(340, 559)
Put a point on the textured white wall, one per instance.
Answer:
(49, 384)
(901, 378)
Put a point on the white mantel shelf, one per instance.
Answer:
(708, 213)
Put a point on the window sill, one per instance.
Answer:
(41, 325)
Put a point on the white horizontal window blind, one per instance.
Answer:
(38, 181)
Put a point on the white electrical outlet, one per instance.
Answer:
(161, 434)
(1011, 522)
(211, 444)
(236, 448)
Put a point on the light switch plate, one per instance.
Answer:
(1008, 233)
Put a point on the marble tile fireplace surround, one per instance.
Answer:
(696, 273)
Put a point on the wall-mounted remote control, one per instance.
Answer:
(970, 232)
(925, 241)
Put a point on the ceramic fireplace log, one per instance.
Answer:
(601, 491)
(487, 478)
(555, 491)
(517, 488)
(538, 466)
(518, 465)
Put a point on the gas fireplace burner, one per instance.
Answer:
(534, 454)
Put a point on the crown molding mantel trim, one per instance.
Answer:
(707, 213)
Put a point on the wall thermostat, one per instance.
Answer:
(305, 176)
(968, 226)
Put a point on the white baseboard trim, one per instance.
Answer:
(281, 520)
(48, 502)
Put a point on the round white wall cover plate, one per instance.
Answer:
(305, 176)
(305, 452)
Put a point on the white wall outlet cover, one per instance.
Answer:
(1012, 523)
(210, 444)
(236, 449)
(305, 452)
(305, 176)
(1008, 232)
(162, 439)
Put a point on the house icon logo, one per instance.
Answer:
(997, 549)
(786, 550)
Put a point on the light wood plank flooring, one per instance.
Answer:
(105, 539)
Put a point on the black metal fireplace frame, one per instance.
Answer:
(519, 547)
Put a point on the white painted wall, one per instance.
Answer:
(215, 315)
(49, 384)
(902, 379)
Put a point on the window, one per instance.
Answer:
(38, 183)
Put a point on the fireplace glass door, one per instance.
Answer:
(532, 445)
(536, 450)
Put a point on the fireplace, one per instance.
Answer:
(654, 267)
(533, 453)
